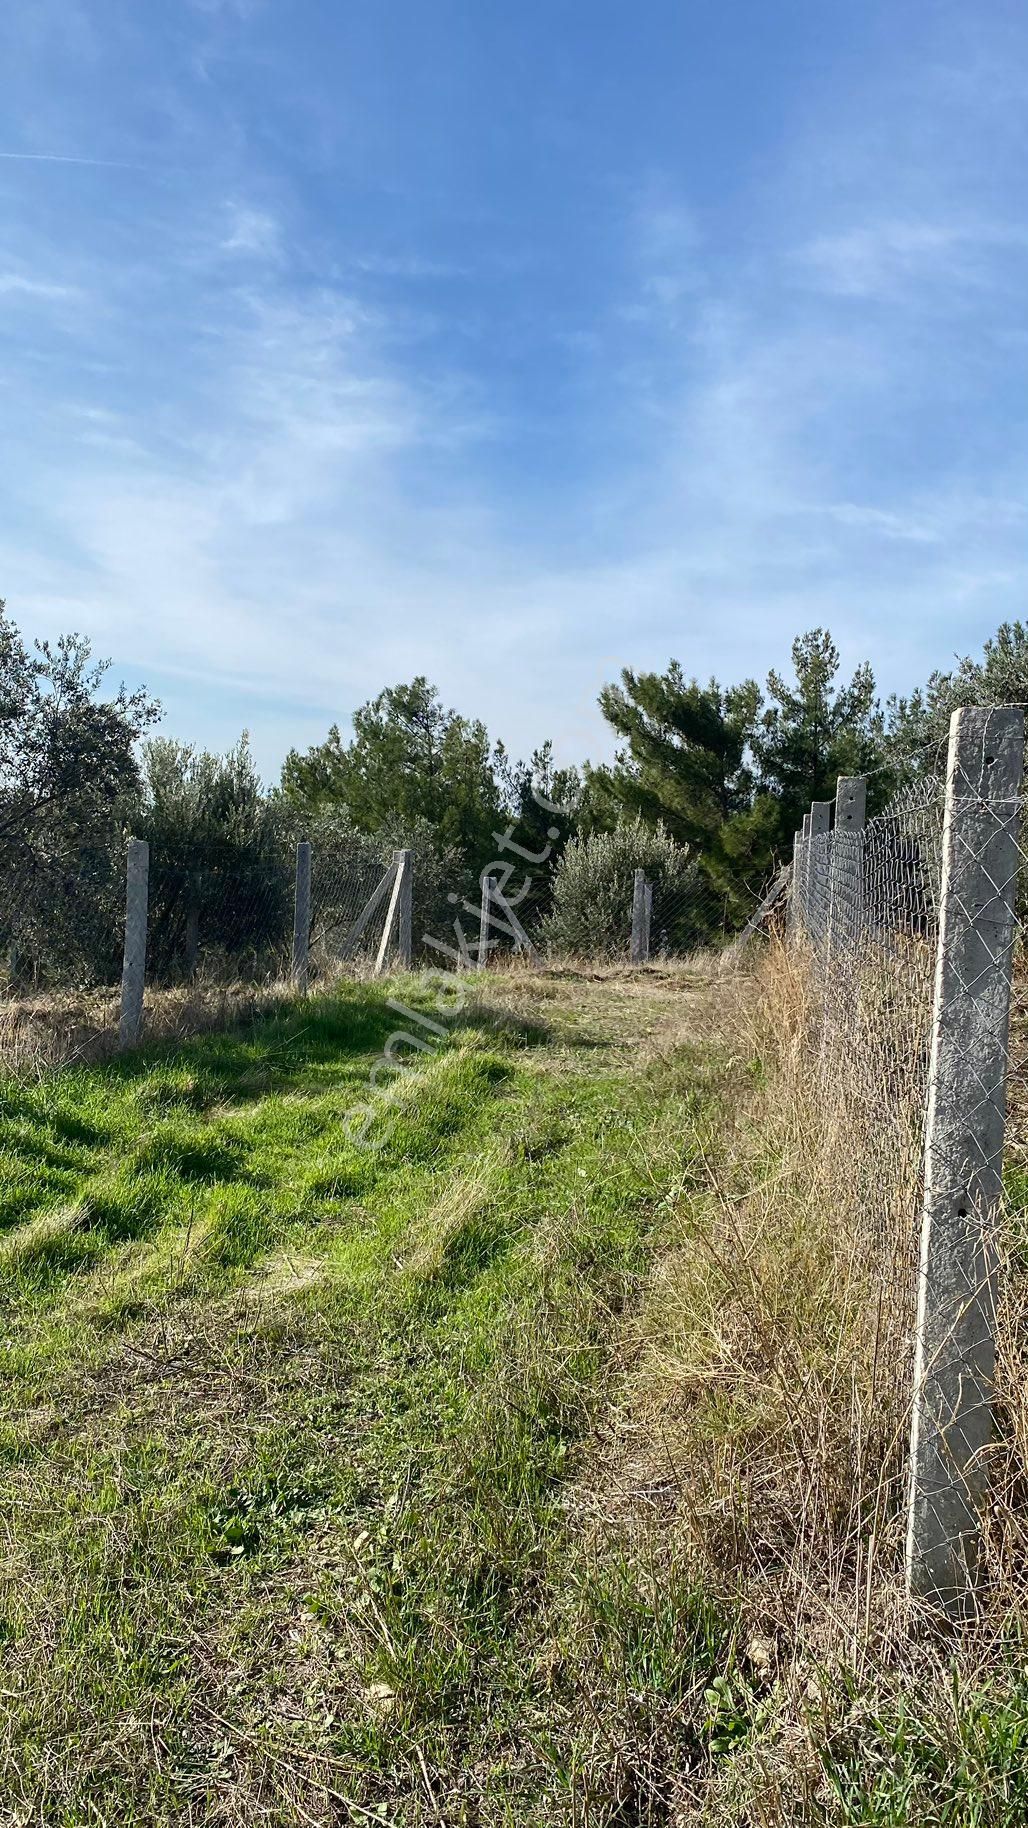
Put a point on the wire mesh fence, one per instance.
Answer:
(911, 934)
(342, 886)
(220, 910)
(909, 930)
(686, 917)
(229, 912)
(60, 916)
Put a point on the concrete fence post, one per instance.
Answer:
(795, 920)
(956, 1308)
(802, 883)
(640, 946)
(392, 932)
(817, 869)
(846, 879)
(405, 910)
(484, 922)
(302, 917)
(133, 970)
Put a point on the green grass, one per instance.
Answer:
(956, 1759)
(308, 1483)
(289, 1430)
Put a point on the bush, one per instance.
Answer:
(592, 894)
(221, 873)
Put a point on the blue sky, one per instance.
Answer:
(349, 339)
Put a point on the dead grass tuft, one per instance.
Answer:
(51, 1029)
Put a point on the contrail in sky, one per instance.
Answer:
(64, 158)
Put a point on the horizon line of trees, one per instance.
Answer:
(725, 771)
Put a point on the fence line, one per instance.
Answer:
(133, 975)
(302, 917)
(955, 1336)
(908, 925)
(642, 907)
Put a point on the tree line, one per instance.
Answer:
(723, 772)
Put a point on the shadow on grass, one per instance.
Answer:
(516, 1029)
(268, 1054)
(133, 1135)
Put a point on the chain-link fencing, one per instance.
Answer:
(224, 916)
(910, 928)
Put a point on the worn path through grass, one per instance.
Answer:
(288, 1426)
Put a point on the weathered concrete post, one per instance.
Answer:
(640, 947)
(846, 882)
(802, 884)
(956, 1308)
(302, 917)
(817, 869)
(795, 916)
(484, 921)
(405, 910)
(133, 970)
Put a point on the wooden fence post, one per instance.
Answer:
(133, 970)
(302, 917)
(956, 1309)
(640, 946)
(846, 881)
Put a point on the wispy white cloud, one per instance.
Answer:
(884, 259)
(274, 473)
(408, 266)
(25, 285)
(252, 231)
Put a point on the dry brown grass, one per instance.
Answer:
(50, 1029)
(768, 1402)
(762, 1435)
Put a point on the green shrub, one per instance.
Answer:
(592, 894)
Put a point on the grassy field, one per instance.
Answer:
(291, 1429)
(349, 1484)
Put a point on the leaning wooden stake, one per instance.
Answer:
(781, 883)
(302, 917)
(956, 1310)
(133, 971)
(640, 948)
